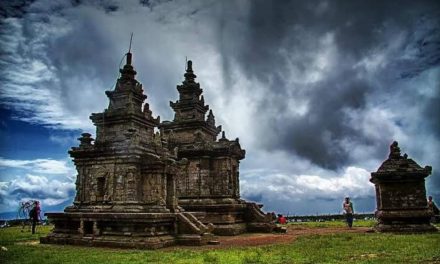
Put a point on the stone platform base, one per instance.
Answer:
(111, 241)
(404, 221)
(230, 229)
(195, 240)
(262, 227)
(405, 228)
(127, 230)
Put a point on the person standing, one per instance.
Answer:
(34, 215)
(348, 211)
(432, 207)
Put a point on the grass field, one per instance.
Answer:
(337, 223)
(22, 247)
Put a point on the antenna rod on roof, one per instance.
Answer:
(129, 51)
(131, 38)
(186, 62)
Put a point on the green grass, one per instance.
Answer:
(22, 247)
(13, 235)
(336, 223)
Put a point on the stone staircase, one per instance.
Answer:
(257, 220)
(191, 231)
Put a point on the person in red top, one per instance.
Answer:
(281, 219)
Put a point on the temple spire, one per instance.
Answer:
(211, 119)
(394, 151)
(128, 73)
(189, 75)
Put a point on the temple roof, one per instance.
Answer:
(398, 164)
(190, 109)
(402, 164)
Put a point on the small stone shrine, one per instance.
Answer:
(125, 187)
(401, 194)
(209, 182)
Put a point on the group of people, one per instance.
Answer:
(279, 219)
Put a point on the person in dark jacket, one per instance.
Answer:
(34, 215)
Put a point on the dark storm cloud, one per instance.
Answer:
(67, 50)
(425, 47)
(431, 112)
(14, 8)
(357, 28)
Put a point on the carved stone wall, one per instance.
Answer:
(208, 177)
(396, 195)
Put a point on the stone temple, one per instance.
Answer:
(401, 194)
(138, 188)
(209, 182)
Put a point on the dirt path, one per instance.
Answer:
(259, 239)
